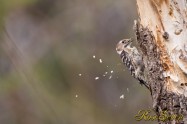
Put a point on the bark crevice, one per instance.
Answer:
(163, 100)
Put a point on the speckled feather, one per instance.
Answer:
(128, 62)
(131, 59)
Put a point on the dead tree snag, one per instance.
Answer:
(161, 34)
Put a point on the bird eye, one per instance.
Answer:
(123, 42)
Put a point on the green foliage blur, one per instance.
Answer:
(50, 53)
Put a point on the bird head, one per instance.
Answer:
(122, 44)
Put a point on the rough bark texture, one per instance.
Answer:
(163, 100)
(162, 36)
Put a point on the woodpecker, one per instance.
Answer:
(132, 59)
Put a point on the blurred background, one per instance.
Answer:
(58, 63)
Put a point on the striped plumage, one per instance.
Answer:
(131, 59)
(128, 62)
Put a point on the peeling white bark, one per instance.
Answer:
(168, 17)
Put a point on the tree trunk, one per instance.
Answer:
(162, 39)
